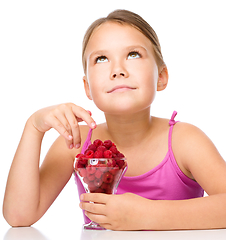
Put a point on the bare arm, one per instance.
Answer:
(22, 190)
(30, 190)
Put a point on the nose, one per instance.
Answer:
(119, 71)
(120, 74)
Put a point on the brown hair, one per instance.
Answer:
(126, 17)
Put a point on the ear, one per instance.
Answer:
(87, 89)
(163, 78)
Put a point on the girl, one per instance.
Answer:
(169, 164)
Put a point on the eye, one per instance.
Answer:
(101, 59)
(133, 55)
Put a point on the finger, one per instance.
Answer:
(98, 218)
(94, 197)
(74, 127)
(64, 121)
(80, 120)
(59, 127)
(94, 208)
(89, 112)
(83, 115)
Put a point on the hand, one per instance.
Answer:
(64, 118)
(115, 212)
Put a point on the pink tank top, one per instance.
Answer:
(164, 182)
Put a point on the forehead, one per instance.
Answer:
(113, 35)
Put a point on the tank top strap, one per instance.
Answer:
(171, 123)
(88, 141)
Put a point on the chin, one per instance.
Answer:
(124, 110)
(125, 105)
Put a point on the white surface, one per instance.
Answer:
(36, 234)
(40, 65)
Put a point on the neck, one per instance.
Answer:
(129, 130)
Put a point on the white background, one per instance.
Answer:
(40, 65)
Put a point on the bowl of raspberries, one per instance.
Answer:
(101, 167)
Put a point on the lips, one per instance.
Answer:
(121, 88)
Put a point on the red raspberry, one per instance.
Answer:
(86, 180)
(114, 149)
(89, 153)
(92, 186)
(97, 182)
(104, 185)
(108, 144)
(98, 154)
(83, 172)
(108, 154)
(81, 163)
(114, 155)
(80, 155)
(108, 177)
(91, 177)
(111, 163)
(114, 170)
(103, 167)
(98, 143)
(120, 155)
(120, 163)
(109, 190)
(101, 148)
(90, 169)
(92, 147)
(98, 173)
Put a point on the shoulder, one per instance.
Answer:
(187, 136)
(189, 143)
(188, 133)
(197, 156)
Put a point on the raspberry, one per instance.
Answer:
(89, 153)
(98, 143)
(108, 177)
(90, 176)
(83, 172)
(98, 154)
(80, 155)
(98, 173)
(92, 147)
(111, 163)
(103, 167)
(81, 163)
(120, 155)
(97, 182)
(120, 163)
(107, 154)
(101, 148)
(86, 180)
(92, 186)
(90, 169)
(104, 186)
(114, 149)
(114, 170)
(108, 144)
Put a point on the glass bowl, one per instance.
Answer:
(100, 175)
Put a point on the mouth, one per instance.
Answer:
(121, 88)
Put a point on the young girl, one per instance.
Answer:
(170, 163)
